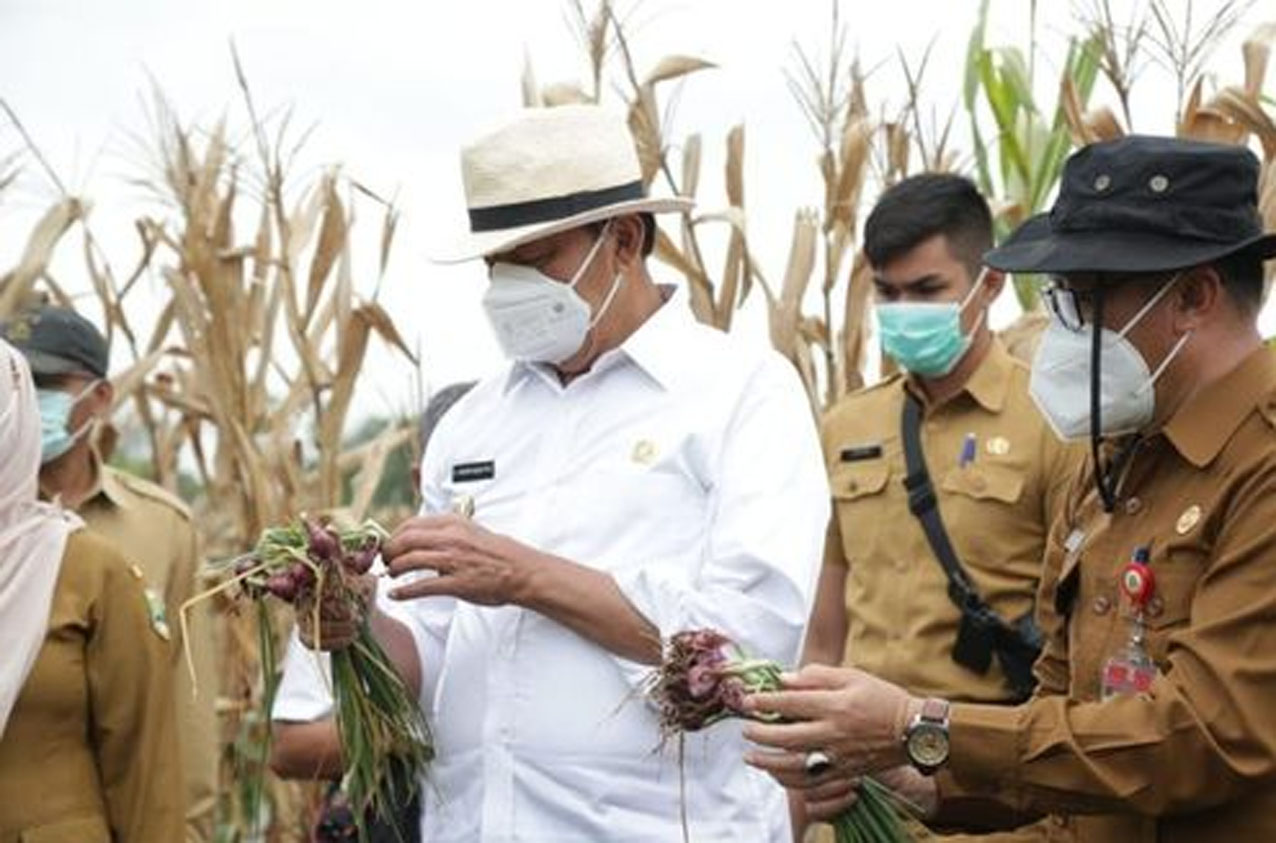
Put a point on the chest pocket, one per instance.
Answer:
(860, 505)
(984, 483)
(858, 480)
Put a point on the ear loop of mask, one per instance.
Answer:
(597, 316)
(1107, 475)
(86, 428)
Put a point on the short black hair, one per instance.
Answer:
(1242, 275)
(923, 206)
(648, 231)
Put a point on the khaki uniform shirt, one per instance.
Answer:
(997, 508)
(90, 752)
(1195, 758)
(154, 529)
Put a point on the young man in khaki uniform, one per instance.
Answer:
(884, 602)
(1153, 719)
(68, 358)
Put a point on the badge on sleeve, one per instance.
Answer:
(157, 614)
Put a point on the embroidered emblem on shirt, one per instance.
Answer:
(644, 452)
(998, 446)
(159, 617)
(1189, 519)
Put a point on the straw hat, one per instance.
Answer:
(550, 170)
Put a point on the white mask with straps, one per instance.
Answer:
(1060, 380)
(537, 318)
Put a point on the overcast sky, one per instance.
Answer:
(394, 89)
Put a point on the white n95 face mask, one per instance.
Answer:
(1060, 379)
(538, 319)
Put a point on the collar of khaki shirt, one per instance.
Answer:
(648, 347)
(106, 485)
(1201, 427)
(988, 384)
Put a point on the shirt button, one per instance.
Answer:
(1132, 506)
(1156, 607)
(851, 486)
(1101, 605)
(1059, 820)
(978, 483)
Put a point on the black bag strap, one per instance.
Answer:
(924, 506)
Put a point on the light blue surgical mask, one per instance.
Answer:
(926, 337)
(55, 418)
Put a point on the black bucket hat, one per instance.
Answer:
(1143, 204)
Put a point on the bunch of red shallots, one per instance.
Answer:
(317, 568)
(704, 679)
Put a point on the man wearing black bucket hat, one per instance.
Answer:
(1153, 716)
(628, 475)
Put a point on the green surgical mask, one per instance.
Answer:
(926, 337)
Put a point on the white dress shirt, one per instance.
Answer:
(686, 465)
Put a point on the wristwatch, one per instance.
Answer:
(926, 738)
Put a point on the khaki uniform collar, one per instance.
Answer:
(989, 383)
(107, 485)
(1200, 428)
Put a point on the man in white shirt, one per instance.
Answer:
(304, 742)
(630, 474)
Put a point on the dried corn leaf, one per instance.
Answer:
(372, 467)
(690, 166)
(380, 322)
(1257, 51)
(673, 67)
(856, 146)
(332, 240)
(133, 378)
(564, 93)
(1103, 124)
(16, 285)
(698, 284)
(644, 125)
(785, 315)
(1248, 115)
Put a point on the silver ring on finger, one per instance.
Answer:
(817, 763)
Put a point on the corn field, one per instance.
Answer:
(247, 373)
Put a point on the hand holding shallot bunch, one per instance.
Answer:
(704, 679)
(321, 571)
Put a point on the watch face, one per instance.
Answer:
(928, 745)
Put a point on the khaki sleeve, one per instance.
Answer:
(1201, 737)
(129, 669)
(1065, 466)
(196, 713)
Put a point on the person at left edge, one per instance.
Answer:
(631, 474)
(87, 727)
(69, 361)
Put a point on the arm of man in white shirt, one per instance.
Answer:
(766, 528)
